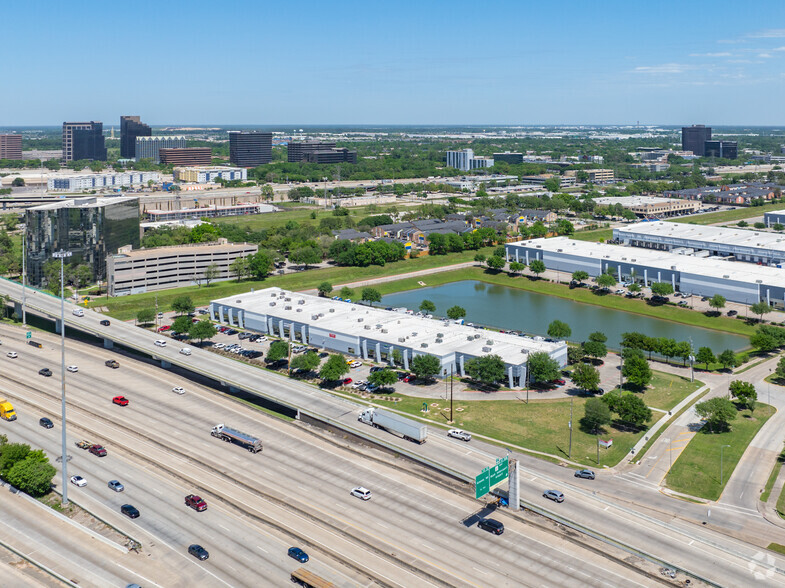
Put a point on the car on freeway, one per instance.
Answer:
(12, 354)
(491, 525)
(84, 444)
(112, 364)
(160, 343)
(78, 481)
(178, 390)
(98, 450)
(164, 328)
(46, 423)
(198, 552)
(554, 495)
(586, 474)
(346, 381)
(195, 502)
(46, 372)
(361, 492)
(120, 400)
(130, 511)
(72, 368)
(298, 554)
(105, 323)
(459, 434)
(116, 486)
(185, 351)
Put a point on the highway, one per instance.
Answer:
(700, 550)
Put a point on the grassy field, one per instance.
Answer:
(775, 471)
(727, 215)
(258, 222)
(667, 390)
(595, 235)
(781, 504)
(697, 470)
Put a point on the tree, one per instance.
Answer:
(537, 267)
(637, 371)
(260, 264)
(580, 275)
(763, 341)
(542, 367)
(145, 316)
(82, 275)
(496, 262)
(574, 353)
(705, 356)
(598, 337)
(182, 324)
(479, 258)
(17, 182)
(425, 367)
(456, 312)
(586, 377)
(517, 267)
(202, 330)
(632, 409)
(334, 368)
(634, 288)
(717, 412)
(211, 272)
(183, 305)
(745, 392)
(661, 289)
(564, 227)
(488, 369)
(325, 289)
(606, 280)
(278, 350)
(33, 476)
(559, 330)
(427, 306)
(727, 358)
(595, 349)
(370, 295)
(761, 308)
(305, 256)
(383, 378)
(240, 267)
(552, 184)
(778, 227)
(595, 414)
(717, 302)
(306, 362)
(347, 293)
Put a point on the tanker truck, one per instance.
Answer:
(231, 435)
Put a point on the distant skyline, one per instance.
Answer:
(396, 63)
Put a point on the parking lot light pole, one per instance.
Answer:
(62, 255)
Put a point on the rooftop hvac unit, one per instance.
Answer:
(401, 339)
(299, 310)
(560, 250)
(486, 349)
(332, 310)
(301, 301)
(385, 330)
(367, 327)
(272, 304)
(489, 342)
(238, 301)
(440, 340)
(726, 277)
(423, 345)
(440, 334)
(673, 267)
(477, 336)
(287, 307)
(379, 326)
(314, 317)
(321, 314)
(273, 295)
(288, 299)
(470, 338)
(359, 320)
(414, 334)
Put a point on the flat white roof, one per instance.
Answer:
(639, 200)
(720, 235)
(88, 202)
(389, 326)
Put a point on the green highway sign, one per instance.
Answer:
(28, 335)
(491, 477)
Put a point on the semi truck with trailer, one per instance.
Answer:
(406, 428)
(231, 435)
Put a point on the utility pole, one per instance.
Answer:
(24, 278)
(452, 418)
(569, 454)
(62, 254)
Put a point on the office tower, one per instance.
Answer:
(10, 146)
(694, 139)
(186, 156)
(131, 128)
(722, 149)
(83, 140)
(249, 149)
(297, 150)
(507, 157)
(149, 147)
(334, 155)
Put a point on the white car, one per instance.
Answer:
(219, 345)
(356, 364)
(185, 351)
(12, 354)
(78, 481)
(261, 338)
(356, 385)
(160, 343)
(178, 390)
(72, 368)
(361, 492)
(459, 434)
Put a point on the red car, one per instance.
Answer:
(558, 382)
(408, 378)
(120, 400)
(98, 450)
(195, 503)
(164, 328)
(346, 381)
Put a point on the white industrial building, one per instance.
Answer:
(739, 244)
(774, 217)
(702, 276)
(99, 181)
(374, 333)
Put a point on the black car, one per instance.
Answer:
(376, 369)
(232, 332)
(105, 323)
(491, 525)
(46, 372)
(298, 554)
(198, 552)
(46, 423)
(130, 511)
(732, 313)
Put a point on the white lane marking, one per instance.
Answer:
(262, 549)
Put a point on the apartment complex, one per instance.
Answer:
(249, 149)
(187, 156)
(90, 228)
(205, 175)
(131, 127)
(100, 181)
(10, 146)
(132, 271)
(83, 140)
(465, 160)
(149, 147)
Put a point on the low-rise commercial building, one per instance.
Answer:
(205, 175)
(600, 176)
(540, 179)
(102, 181)
(186, 156)
(376, 334)
(650, 206)
(214, 211)
(132, 271)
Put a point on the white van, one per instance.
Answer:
(78, 312)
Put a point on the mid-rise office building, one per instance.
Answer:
(336, 155)
(298, 149)
(722, 149)
(10, 146)
(507, 157)
(149, 147)
(213, 211)
(186, 156)
(600, 176)
(465, 160)
(90, 228)
(83, 140)
(249, 149)
(694, 139)
(101, 181)
(131, 127)
(205, 175)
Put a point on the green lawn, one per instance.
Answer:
(595, 235)
(775, 471)
(667, 390)
(727, 215)
(781, 504)
(258, 222)
(697, 470)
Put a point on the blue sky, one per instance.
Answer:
(405, 62)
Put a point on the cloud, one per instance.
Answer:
(764, 55)
(779, 49)
(720, 54)
(665, 68)
(768, 34)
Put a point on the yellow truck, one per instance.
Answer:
(7, 410)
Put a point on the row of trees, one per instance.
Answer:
(347, 253)
(669, 348)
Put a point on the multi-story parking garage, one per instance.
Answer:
(741, 245)
(737, 282)
(381, 335)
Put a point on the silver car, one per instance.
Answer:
(459, 434)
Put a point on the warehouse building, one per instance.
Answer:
(701, 276)
(649, 206)
(774, 217)
(376, 334)
(736, 244)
